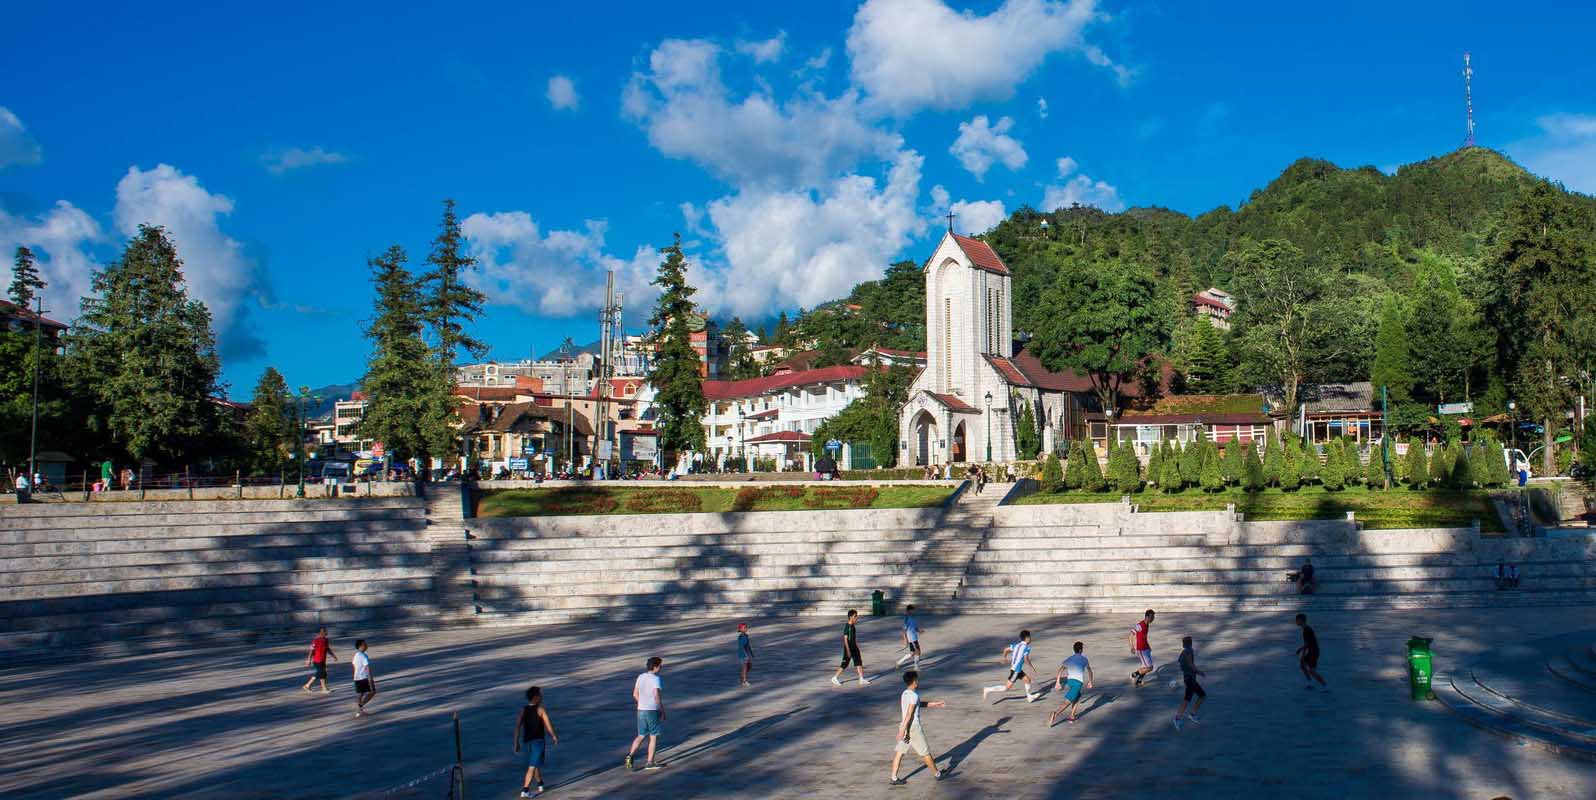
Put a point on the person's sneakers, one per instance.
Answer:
(326, 691)
(1032, 697)
(305, 689)
(835, 681)
(1308, 686)
(945, 774)
(1192, 715)
(985, 691)
(539, 791)
(526, 793)
(1071, 720)
(359, 714)
(865, 681)
(628, 763)
(1052, 718)
(1136, 677)
(1177, 723)
(653, 765)
(897, 782)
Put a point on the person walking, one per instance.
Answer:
(1141, 649)
(650, 696)
(1189, 673)
(316, 660)
(1018, 656)
(850, 650)
(1308, 654)
(745, 653)
(1077, 671)
(531, 726)
(911, 734)
(365, 683)
(911, 638)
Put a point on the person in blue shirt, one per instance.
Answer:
(911, 638)
(745, 652)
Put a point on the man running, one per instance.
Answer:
(1019, 658)
(1140, 648)
(1189, 673)
(745, 652)
(1078, 671)
(850, 650)
(320, 649)
(911, 735)
(650, 696)
(911, 638)
(1308, 654)
(365, 684)
(532, 725)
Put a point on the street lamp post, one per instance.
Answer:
(742, 440)
(33, 436)
(299, 439)
(1512, 425)
(989, 427)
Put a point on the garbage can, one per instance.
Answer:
(1419, 668)
(878, 603)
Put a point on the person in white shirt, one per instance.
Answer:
(24, 487)
(365, 684)
(911, 638)
(911, 735)
(1018, 656)
(1078, 672)
(650, 696)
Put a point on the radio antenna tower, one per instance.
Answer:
(1468, 99)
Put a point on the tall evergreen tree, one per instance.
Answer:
(1290, 468)
(1233, 462)
(270, 426)
(401, 371)
(1252, 471)
(1274, 456)
(1155, 462)
(25, 279)
(1125, 469)
(1211, 477)
(20, 352)
(679, 398)
(740, 363)
(1333, 475)
(1075, 469)
(1052, 473)
(1027, 439)
(1393, 362)
(1092, 479)
(144, 351)
(1418, 471)
(449, 304)
(1169, 479)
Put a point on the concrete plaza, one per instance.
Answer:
(232, 721)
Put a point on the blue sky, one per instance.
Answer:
(797, 151)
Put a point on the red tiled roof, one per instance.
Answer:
(491, 392)
(1131, 418)
(981, 254)
(1030, 367)
(1010, 373)
(1205, 300)
(730, 390)
(27, 314)
(780, 436)
(769, 413)
(952, 402)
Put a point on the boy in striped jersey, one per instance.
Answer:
(1019, 657)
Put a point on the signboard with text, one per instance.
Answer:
(519, 464)
(1455, 408)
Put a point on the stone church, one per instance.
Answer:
(963, 407)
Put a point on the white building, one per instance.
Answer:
(551, 376)
(774, 416)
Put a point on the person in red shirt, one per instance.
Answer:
(320, 649)
(1140, 648)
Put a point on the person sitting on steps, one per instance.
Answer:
(1306, 584)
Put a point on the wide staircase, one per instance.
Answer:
(1541, 694)
(538, 570)
(1039, 559)
(128, 575)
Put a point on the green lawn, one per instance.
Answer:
(663, 499)
(1375, 510)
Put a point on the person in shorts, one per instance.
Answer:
(650, 696)
(1018, 656)
(745, 653)
(1078, 672)
(850, 650)
(1308, 654)
(365, 684)
(532, 725)
(1141, 649)
(911, 734)
(911, 638)
(316, 660)
(1189, 673)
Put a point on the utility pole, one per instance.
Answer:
(299, 439)
(1468, 99)
(33, 436)
(609, 344)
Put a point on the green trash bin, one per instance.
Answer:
(878, 603)
(1419, 668)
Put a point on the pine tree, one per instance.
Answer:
(1308, 466)
(269, 428)
(1052, 473)
(23, 358)
(1027, 439)
(1212, 477)
(1274, 455)
(1191, 462)
(1075, 472)
(449, 303)
(400, 375)
(1440, 465)
(1252, 471)
(1125, 469)
(1418, 470)
(1480, 462)
(1393, 360)
(25, 279)
(1233, 463)
(1374, 471)
(1155, 462)
(1332, 475)
(145, 353)
(1461, 476)
(1290, 473)
(1169, 479)
(679, 400)
(1351, 466)
(740, 363)
(1092, 479)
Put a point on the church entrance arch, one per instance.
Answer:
(925, 438)
(958, 445)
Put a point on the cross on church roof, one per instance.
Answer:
(950, 220)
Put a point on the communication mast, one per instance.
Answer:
(1468, 99)
(610, 344)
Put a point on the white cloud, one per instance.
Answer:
(214, 264)
(281, 160)
(1067, 167)
(765, 50)
(755, 140)
(969, 216)
(60, 239)
(17, 146)
(912, 54)
(980, 145)
(562, 93)
(819, 61)
(1041, 107)
(559, 273)
(1565, 150)
(1084, 191)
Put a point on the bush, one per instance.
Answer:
(1351, 465)
(580, 501)
(1092, 479)
(750, 496)
(1169, 479)
(1075, 473)
(1213, 477)
(1440, 465)
(1191, 462)
(1333, 474)
(1308, 464)
(1233, 464)
(1418, 470)
(1273, 460)
(1252, 471)
(1462, 475)
(664, 501)
(1480, 463)
(1155, 462)
(1124, 469)
(1374, 471)
(1290, 472)
(841, 497)
(1052, 473)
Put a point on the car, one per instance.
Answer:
(337, 472)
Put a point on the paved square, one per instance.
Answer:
(232, 722)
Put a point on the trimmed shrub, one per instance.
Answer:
(580, 501)
(1308, 464)
(664, 501)
(1374, 471)
(1052, 473)
(1233, 464)
(1333, 474)
(1290, 472)
(1274, 458)
(1418, 468)
(841, 497)
(1092, 476)
(1191, 462)
(1125, 469)
(1075, 470)
(1252, 471)
(1462, 475)
(1169, 479)
(1213, 475)
(1351, 465)
(750, 496)
(1155, 462)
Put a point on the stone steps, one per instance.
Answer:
(126, 525)
(351, 533)
(1131, 573)
(1042, 604)
(1503, 717)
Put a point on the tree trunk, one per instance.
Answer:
(1548, 462)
